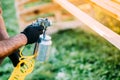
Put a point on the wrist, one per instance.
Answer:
(24, 38)
(3, 34)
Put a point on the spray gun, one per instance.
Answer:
(41, 52)
(42, 46)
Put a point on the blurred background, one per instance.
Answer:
(77, 52)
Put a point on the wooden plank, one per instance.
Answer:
(115, 12)
(22, 2)
(112, 4)
(43, 8)
(78, 2)
(117, 1)
(63, 25)
(21, 22)
(99, 28)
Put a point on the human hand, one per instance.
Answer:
(32, 33)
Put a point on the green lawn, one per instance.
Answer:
(75, 55)
(9, 15)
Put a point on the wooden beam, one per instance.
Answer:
(99, 28)
(108, 6)
(42, 8)
(117, 1)
(63, 25)
(78, 2)
(22, 2)
(112, 4)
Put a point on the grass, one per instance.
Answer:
(78, 55)
(9, 15)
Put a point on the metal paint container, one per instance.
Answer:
(44, 45)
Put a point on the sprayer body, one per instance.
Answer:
(43, 48)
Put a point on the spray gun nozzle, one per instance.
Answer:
(44, 22)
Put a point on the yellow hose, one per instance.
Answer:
(23, 68)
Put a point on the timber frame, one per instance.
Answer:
(68, 9)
